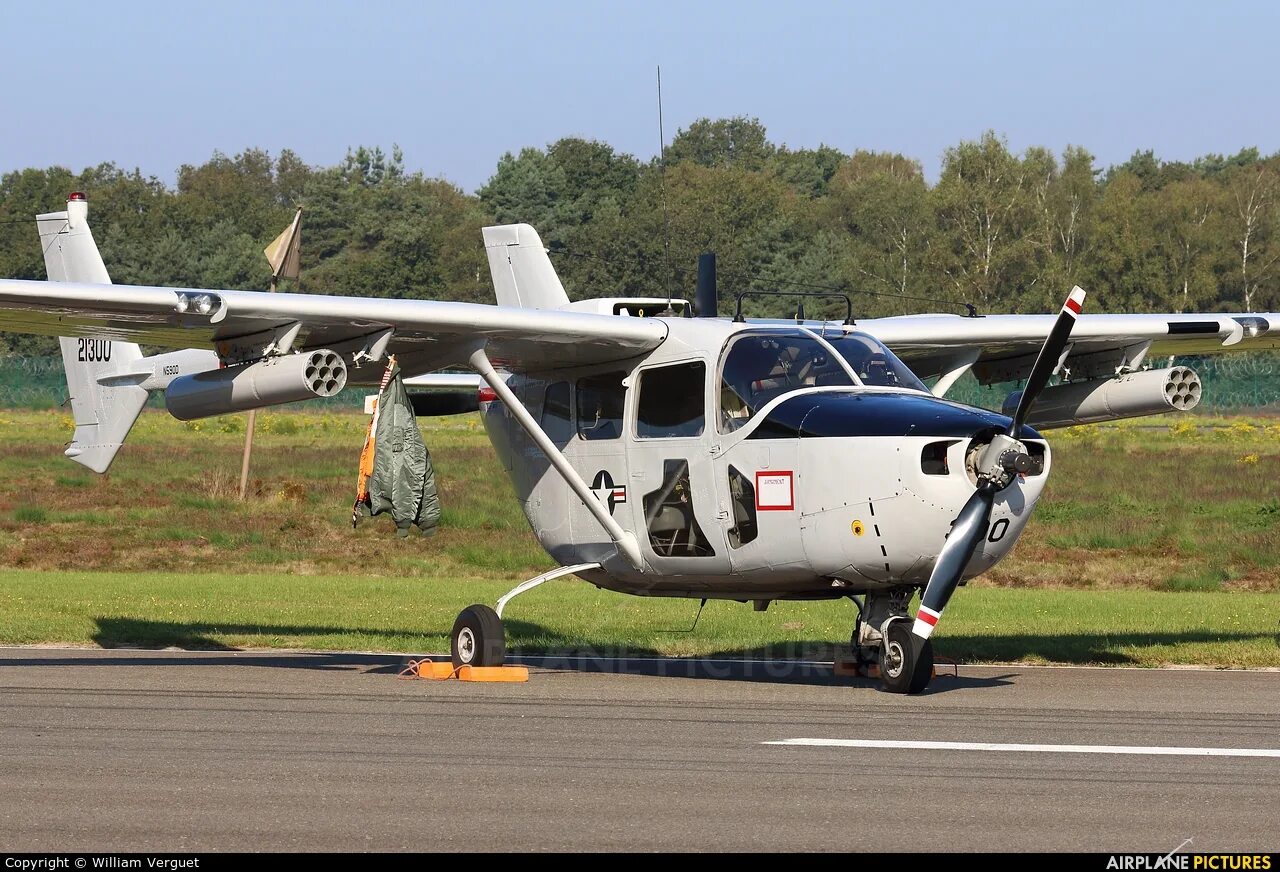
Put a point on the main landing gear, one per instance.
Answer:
(478, 638)
(882, 635)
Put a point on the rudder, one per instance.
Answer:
(523, 276)
(103, 413)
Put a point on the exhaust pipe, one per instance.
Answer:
(705, 298)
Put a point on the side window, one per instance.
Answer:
(555, 413)
(600, 401)
(668, 515)
(743, 494)
(671, 401)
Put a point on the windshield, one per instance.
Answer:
(873, 362)
(761, 366)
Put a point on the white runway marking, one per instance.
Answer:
(1145, 750)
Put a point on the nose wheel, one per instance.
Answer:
(906, 661)
(478, 638)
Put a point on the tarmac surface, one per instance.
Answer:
(195, 751)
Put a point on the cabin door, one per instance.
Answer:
(670, 488)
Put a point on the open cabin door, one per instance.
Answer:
(671, 487)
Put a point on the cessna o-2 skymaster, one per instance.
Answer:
(663, 456)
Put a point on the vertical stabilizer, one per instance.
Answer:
(522, 273)
(103, 414)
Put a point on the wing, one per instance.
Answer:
(425, 335)
(1003, 347)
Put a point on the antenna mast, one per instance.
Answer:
(662, 182)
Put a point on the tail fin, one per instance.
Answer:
(103, 414)
(522, 273)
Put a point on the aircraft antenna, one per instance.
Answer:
(662, 185)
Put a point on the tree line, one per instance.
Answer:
(1004, 232)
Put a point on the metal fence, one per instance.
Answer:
(1236, 382)
(1241, 382)
(39, 383)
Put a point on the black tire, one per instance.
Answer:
(478, 638)
(902, 670)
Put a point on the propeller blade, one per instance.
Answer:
(966, 534)
(1049, 360)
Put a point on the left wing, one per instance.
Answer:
(1003, 348)
(424, 335)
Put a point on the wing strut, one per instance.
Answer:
(955, 368)
(626, 543)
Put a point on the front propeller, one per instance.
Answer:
(998, 465)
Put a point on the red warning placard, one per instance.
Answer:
(775, 490)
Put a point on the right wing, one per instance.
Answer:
(1002, 348)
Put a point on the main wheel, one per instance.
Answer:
(901, 669)
(478, 638)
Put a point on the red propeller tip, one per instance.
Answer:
(1075, 302)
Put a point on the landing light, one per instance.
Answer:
(200, 304)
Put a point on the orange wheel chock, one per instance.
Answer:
(493, 673)
(440, 670)
(846, 668)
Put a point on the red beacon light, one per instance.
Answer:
(77, 196)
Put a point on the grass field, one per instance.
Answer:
(414, 615)
(1155, 543)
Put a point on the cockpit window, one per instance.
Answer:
(873, 363)
(761, 366)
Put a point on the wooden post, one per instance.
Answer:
(248, 435)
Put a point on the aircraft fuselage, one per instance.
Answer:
(749, 465)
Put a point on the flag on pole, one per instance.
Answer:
(284, 251)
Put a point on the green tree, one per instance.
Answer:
(739, 142)
(1122, 275)
(1063, 199)
(807, 171)
(985, 213)
(880, 205)
(1253, 224)
(1187, 216)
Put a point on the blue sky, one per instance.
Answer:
(156, 85)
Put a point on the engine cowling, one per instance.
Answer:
(269, 382)
(1152, 392)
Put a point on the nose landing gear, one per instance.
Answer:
(882, 635)
(906, 662)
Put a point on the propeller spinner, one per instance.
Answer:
(998, 465)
